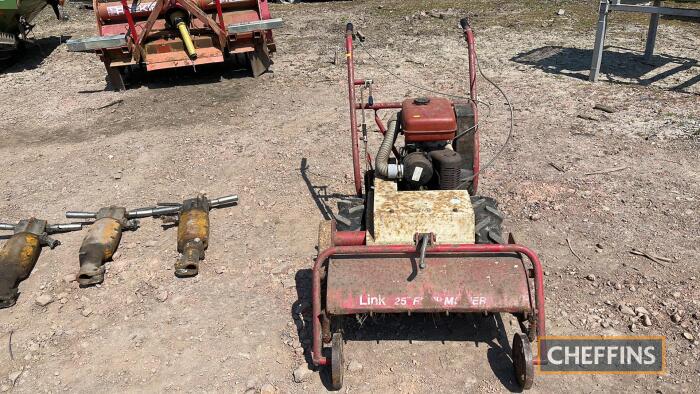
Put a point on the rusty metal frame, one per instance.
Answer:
(410, 250)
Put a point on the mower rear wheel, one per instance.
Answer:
(522, 361)
(337, 361)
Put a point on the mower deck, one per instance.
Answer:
(494, 283)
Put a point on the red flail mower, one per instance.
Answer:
(420, 239)
(161, 34)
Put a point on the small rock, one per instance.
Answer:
(354, 366)
(633, 327)
(561, 12)
(302, 373)
(44, 300)
(646, 320)
(640, 310)
(219, 270)
(161, 296)
(591, 277)
(13, 376)
(688, 336)
(633, 289)
(618, 286)
(267, 389)
(86, 312)
(69, 278)
(117, 175)
(626, 310)
(676, 294)
(676, 318)
(535, 217)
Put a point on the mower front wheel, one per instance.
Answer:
(522, 361)
(337, 361)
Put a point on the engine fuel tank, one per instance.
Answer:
(428, 119)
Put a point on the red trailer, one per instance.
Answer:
(161, 34)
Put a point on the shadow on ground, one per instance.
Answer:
(31, 54)
(620, 65)
(486, 330)
(136, 77)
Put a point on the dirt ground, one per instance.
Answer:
(243, 325)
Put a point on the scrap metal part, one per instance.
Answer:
(20, 253)
(101, 242)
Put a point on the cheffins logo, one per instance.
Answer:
(603, 355)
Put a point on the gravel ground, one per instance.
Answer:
(242, 324)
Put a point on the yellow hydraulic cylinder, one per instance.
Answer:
(178, 18)
(187, 40)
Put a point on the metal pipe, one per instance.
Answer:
(147, 212)
(81, 215)
(410, 250)
(378, 106)
(353, 105)
(349, 238)
(58, 228)
(130, 21)
(223, 201)
(473, 67)
(7, 227)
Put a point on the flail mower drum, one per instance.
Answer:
(162, 34)
(420, 218)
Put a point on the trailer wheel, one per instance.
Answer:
(522, 361)
(487, 220)
(337, 361)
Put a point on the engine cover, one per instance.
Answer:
(428, 119)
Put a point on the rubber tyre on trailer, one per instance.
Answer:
(337, 361)
(488, 220)
(522, 361)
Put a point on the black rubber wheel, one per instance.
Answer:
(488, 221)
(337, 361)
(522, 361)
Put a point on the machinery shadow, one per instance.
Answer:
(31, 54)
(480, 329)
(320, 194)
(617, 62)
(185, 76)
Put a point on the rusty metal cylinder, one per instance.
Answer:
(17, 260)
(98, 247)
(113, 12)
(193, 224)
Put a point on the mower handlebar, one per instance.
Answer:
(349, 28)
(464, 22)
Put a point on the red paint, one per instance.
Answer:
(410, 251)
(349, 238)
(433, 119)
(357, 173)
(471, 47)
(220, 15)
(130, 21)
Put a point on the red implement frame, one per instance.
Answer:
(353, 243)
(376, 107)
